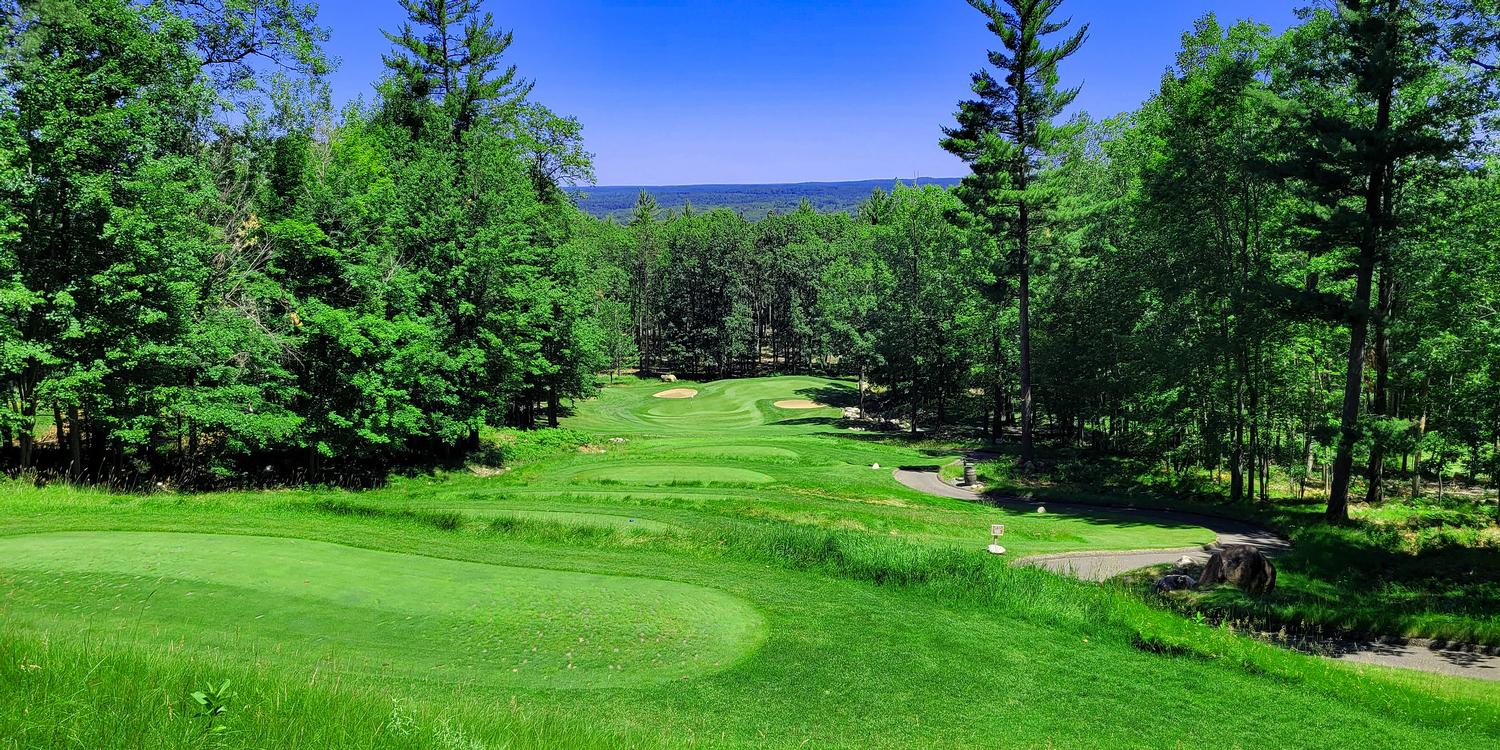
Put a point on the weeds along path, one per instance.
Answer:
(1428, 656)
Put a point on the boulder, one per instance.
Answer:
(1173, 583)
(669, 378)
(1242, 565)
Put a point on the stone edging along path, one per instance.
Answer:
(1460, 660)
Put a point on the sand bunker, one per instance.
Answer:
(678, 393)
(798, 404)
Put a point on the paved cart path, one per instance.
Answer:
(1428, 656)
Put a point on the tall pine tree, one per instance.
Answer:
(1376, 92)
(1006, 135)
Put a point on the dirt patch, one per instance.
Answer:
(678, 393)
(798, 404)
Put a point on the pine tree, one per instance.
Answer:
(449, 52)
(1006, 135)
(1375, 94)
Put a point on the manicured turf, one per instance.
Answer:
(647, 473)
(823, 606)
(400, 616)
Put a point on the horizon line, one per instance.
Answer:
(756, 184)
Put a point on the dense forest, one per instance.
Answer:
(1285, 259)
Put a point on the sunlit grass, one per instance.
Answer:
(826, 607)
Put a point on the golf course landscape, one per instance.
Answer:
(709, 571)
(469, 375)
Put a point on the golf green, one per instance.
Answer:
(370, 611)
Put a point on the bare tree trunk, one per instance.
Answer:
(1380, 405)
(1028, 416)
(1416, 462)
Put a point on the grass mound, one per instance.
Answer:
(404, 616)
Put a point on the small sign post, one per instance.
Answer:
(997, 530)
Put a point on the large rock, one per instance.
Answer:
(1173, 583)
(669, 378)
(1243, 566)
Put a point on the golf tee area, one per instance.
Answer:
(719, 564)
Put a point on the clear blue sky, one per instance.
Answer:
(699, 91)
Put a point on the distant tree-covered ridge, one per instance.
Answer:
(750, 201)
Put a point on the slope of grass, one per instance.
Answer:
(1406, 568)
(828, 607)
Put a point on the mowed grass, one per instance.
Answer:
(398, 616)
(826, 607)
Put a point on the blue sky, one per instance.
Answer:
(701, 91)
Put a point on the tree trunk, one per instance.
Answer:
(1380, 405)
(1028, 416)
(1237, 452)
(1416, 455)
(75, 444)
(1343, 462)
(1359, 318)
(864, 387)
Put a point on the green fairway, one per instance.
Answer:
(651, 474)
(722, 573)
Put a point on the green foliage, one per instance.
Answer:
(183, 299)
(213, 704)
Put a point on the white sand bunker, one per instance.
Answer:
(678, 393)
(798, 404)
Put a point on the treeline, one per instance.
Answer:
(1286, 259)
(205, 273)
(1284, 263)
(887, 294)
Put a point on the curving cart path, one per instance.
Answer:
(1428, 656)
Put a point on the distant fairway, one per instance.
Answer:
(718, 406)
(654, 474)
(715, 568)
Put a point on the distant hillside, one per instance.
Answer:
(751, 201)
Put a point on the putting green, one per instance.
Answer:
(650, 475)
(366, 611)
